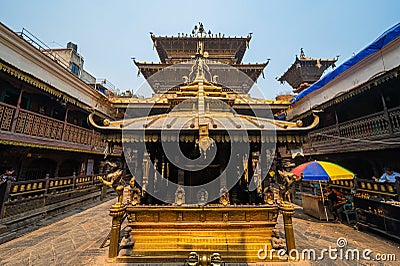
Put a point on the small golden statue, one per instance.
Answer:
(268, 196)
(134, 192)
(224, 196)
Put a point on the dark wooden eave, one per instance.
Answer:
(179, 49)
(253, 71)
(307, 70)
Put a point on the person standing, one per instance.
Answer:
(4, 178)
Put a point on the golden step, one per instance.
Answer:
(180, 257)
(198, 246)
(205, 233)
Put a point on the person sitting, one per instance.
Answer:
(8, 175)
(388, 176)
(336, 200)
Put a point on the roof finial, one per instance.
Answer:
(302, 54)
(200, 31)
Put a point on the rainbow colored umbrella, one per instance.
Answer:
(322, 171)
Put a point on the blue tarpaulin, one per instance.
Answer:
(280, 117)
(374, 47)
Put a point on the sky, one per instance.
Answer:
(110, 33)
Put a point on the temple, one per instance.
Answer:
(305, 71)
(197, 150)
(200, 167)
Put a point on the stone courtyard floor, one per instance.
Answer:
(76, 240)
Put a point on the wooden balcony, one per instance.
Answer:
(377, 131)
(26, 126)
(24, 202)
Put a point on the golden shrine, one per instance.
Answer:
(198, 151)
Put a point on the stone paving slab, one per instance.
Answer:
(76, 240)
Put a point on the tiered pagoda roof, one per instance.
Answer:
(305, 71)
(202, 107)
(220, 50)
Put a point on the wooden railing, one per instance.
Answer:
(369, 186)
(78, 135)
(6, 116)
(323, 136)
(367, 126)
(373, 126)
(34, 124)
(24, 196)
(394, 116)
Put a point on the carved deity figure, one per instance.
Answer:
(180, 196)
(268, 196)
(287, 182)
(113, 180)
(127, 243)
(202, 196)
(277, 241)
(134, 192)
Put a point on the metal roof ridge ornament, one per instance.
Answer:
(259, 122)
(200, 31)
(302, 54)
(205, 142)
(200, 68)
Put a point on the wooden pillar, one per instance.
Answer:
(139, 164)
(23, 162)
(59, 162)
(386, 113)
(181, 176)
(145, 169)
(92, 138)
(152, 168)
(287, 210)
(15, 118)
(397, 185)
(337, 125)
(167, 172)
(222, 147)
(65, 123)
(264, 163)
